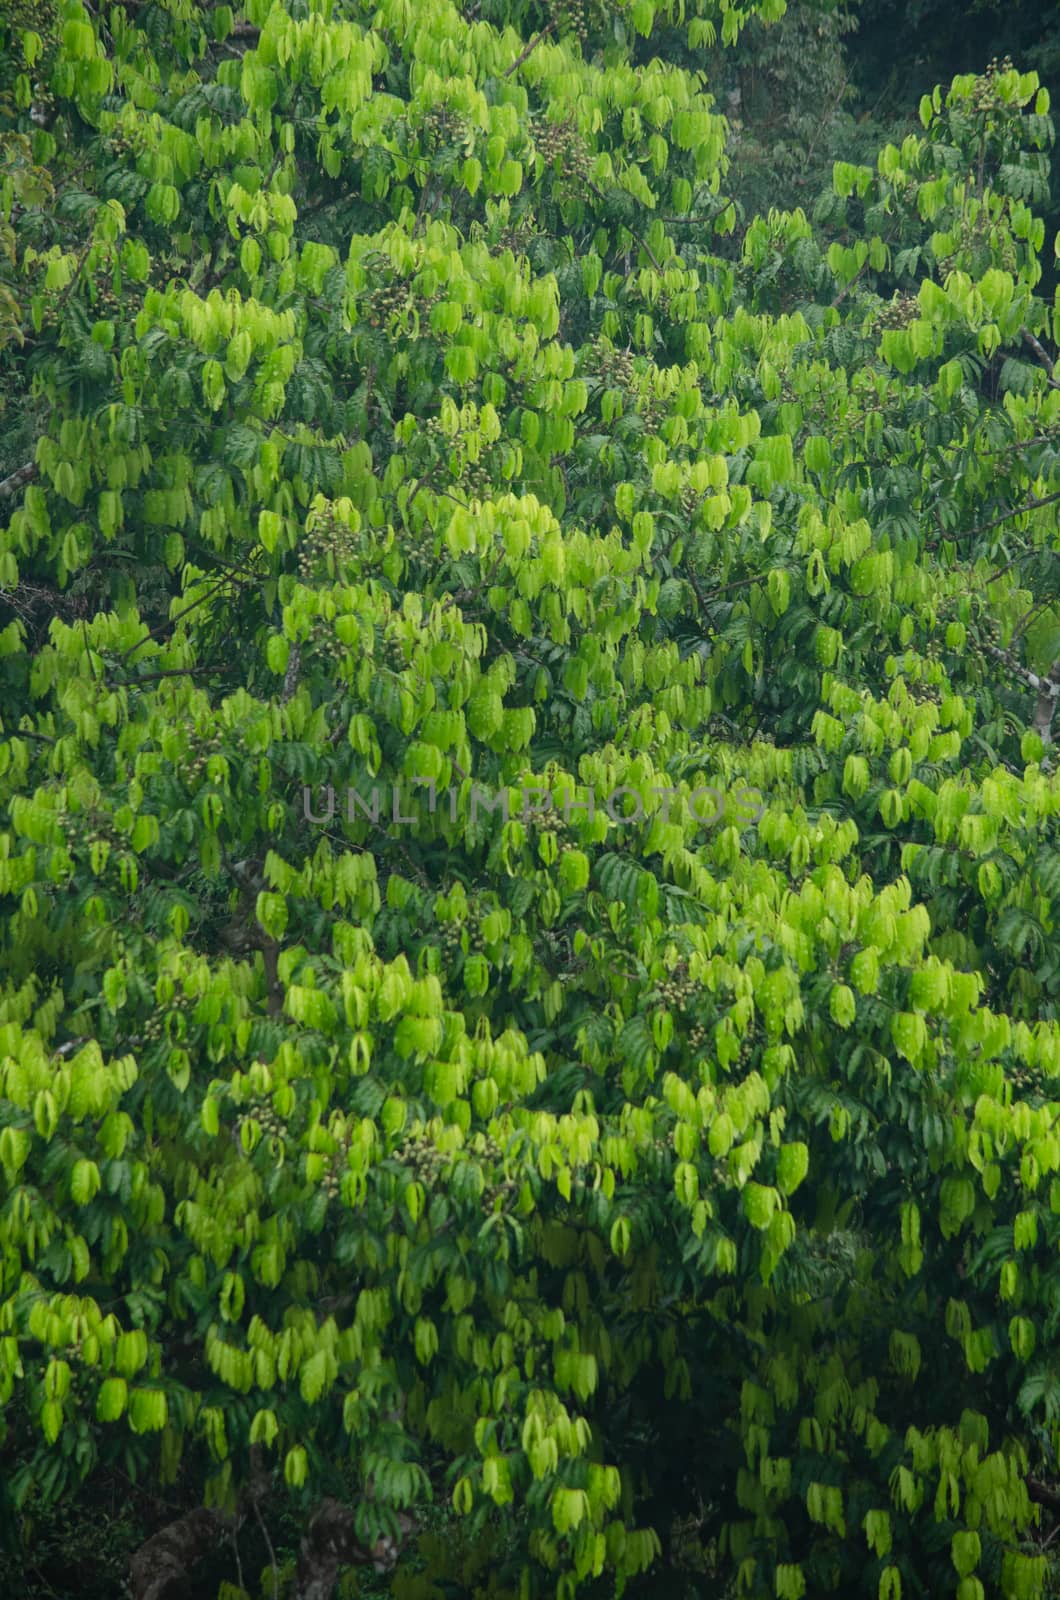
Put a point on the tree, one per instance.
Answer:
(530, 852)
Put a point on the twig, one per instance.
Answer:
(738, 583)
(369, 394)
(273, 1566)
(173, 672)
(1025, 621)
(82, 258)
(699, 220)
(469, 594)
(645, 246)
(235, 1550)
(1021, 444)
(1008, 659)
(696, 589)
(822, 124)
(984, 527)
(517, 63)
(421, 208)
(272, 170)
(153, 634)
(845, 290)
(97, 676)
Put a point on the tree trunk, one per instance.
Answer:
(159, 1570)
(330, 1543)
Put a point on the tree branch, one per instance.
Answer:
(517, 63)
(1043, 357)
(14, 481)
(274, 1565)
(174, 672)
(984, 527)
(159, 1569)
(845, 290)
(421, 208)
(1048, 690)
(171, 621)
(290, 677)
(69, 1047)
(648, 251)
(1043, 1496)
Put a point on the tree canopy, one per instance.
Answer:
(529, 870)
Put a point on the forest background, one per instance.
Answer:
(811, 98)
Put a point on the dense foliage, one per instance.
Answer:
(400, 405)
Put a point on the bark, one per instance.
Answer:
(330, 1544)
(14, 481)
(1042, 1495)
(1043, 357)
(531, 46)
(290, 681)
(160, 1568)
(1045, 710)
(1048, 690)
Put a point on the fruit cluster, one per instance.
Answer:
(516, 238)
(580, 17)
(901, 311)
(204, 749)
(650, 407)
(562, 143)
(443, 126)
(422, 1156)
(125, 143)
(449, 939)
(331, 1183)
(41, 16)
(328, 547)
(388, 301)
(984, 95)
(103, 296)
(34, 16)
(476, 478)
(614, 366)
(385, 301)
(84, 829)
(501, 1190)
(450, 935)
(676, 990)
(260, 1110)
(487, 1148)
(157, 1025)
